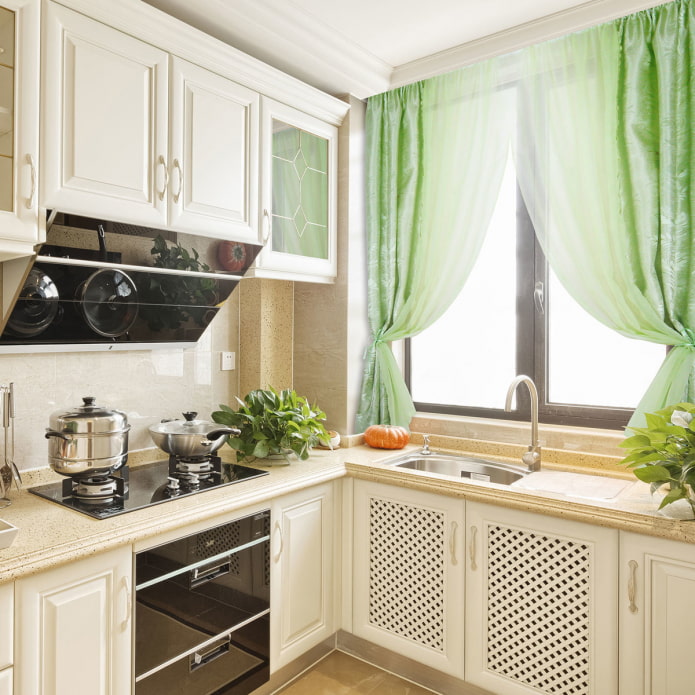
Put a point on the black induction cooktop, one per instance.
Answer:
(143, 486)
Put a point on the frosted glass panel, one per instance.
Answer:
(7, 30)
(300, 192)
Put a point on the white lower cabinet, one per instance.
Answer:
(6, 682)
(541, 604)
(657, 616)
(408, 573)
(74, 628)
(303, 554)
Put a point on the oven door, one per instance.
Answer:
(202, 614)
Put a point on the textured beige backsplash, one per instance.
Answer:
(147, 384)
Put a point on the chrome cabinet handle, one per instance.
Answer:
(452, 543)
(178, 168)
(128, 603)
(538, 295)
(32, 194)
(163, 192)
(472, 547)
(278, 528)
(632, 586)
(266, 225)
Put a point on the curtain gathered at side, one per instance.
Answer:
(606, 171)
(436, 152)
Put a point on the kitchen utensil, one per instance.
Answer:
(190, 437)
(109, 302)
(37, 305)
(5, 471)
(15, 471)
(87, 440)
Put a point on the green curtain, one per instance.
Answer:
(606, 171)
(435, 156)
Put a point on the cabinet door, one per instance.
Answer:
(214, 154)
(104, 121)
(657, 615)
(6, 682)
(302, 573)
(541, 604)
(73, 629)
(408, 573)
(299, 176)
(6, 624)
(19, 127)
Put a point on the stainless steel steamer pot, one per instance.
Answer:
(190, 438)
(87, 440)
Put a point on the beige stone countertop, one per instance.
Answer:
(50, 535)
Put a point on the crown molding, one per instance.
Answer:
(281, 33)
(513, 39)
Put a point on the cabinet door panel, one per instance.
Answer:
(79, 611)
(214, 155)
(20, 227)
(408, 574)
(302, 565)
(6, 682)
(657, 614)
(541, 604)
(6, 624)
(105, 122)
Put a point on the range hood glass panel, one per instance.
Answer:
(133, 292)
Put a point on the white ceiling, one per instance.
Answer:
(364, 47)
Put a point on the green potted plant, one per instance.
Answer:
(274, 424)
(663, 453)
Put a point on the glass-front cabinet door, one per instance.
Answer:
(19, 127)
(299, 195)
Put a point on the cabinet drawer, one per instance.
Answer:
(6, 682)
(6, 626)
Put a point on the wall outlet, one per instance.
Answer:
(227, 361)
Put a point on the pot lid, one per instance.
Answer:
(89, 418)
(187, 426)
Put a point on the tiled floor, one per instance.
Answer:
(340, 674)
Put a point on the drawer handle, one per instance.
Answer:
(632, 586)
(203, 575)
(266, 226)
(472, 547)
(178, 168)
(202, 657)
(452, 543)
(163, 192)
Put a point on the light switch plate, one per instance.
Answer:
(227, 361)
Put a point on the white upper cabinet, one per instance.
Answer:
(299, 191)
(135, 135)
(214, 154)
(104, 143)
(20, 228)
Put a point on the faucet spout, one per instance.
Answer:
(532, 458)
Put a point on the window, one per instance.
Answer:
(513, 316)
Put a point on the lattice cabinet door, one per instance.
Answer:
(408, 573)
(541, 604)
(657, 616)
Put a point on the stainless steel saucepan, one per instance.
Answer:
(190, 438)
(87, 440)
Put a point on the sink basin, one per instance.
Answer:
(465, 467)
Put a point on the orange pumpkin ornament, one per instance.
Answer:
(386, 436)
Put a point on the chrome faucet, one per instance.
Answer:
(532, 458)
(425, 445)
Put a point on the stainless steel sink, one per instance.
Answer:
(454, 466)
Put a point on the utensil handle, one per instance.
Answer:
(5, 409)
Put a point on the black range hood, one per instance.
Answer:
(99, 284)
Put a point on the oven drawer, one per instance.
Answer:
(202, 609)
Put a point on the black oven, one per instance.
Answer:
(202, 622)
